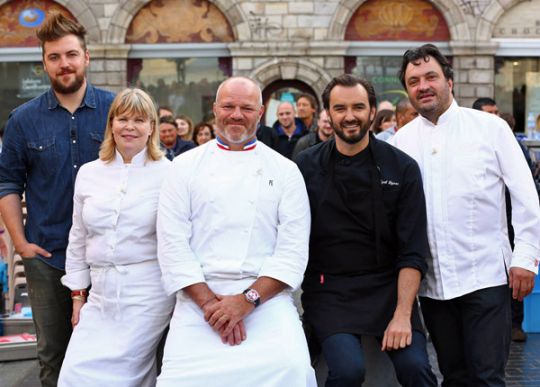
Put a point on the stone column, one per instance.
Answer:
(108, 66)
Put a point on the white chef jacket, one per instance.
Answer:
(466, 159)
(232, 215)
(114, 216)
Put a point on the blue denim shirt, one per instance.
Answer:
(44, 147)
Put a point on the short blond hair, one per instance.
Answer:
(132, 101)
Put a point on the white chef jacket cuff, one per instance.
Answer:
(76, 280)
(173, 283)
(525, 261)
(290, 279)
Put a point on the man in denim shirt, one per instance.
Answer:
(46, 141)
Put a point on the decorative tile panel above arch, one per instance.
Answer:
(19, 20)
(383, 20)
(179, 21)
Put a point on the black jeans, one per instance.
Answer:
(51, 311)
(471, 335)
(345, 360)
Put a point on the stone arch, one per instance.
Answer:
(83, 14)
(286, 68)
(127, 10)
(452, 13)
(490, 16)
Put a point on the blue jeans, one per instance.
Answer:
(346, 368)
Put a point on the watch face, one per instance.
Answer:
(252, 295)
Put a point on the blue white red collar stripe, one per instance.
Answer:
(248, 146)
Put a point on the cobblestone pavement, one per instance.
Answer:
(523, 367)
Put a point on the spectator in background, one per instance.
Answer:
(164, 111)
(113, 248)
(385, 105)
(202, 133)
(171, 143)
(46, 141)
(384, 120)
(405, 113)
(289, 129)
(487, 105)
(306, 110)
(323, 133)
(185, 127)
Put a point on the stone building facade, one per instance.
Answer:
(305, 40)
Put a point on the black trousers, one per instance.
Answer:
(471, 335)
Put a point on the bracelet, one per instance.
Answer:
(82, 293)
(78, 298)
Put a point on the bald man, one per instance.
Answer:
(289, 129)
(233, 255)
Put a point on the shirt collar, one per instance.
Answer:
(247, 146)
(138, 160)
(89, 99)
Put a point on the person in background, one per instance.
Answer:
(47, 140)
(405, 113)
(487, 105)
(185, 127)
(384, 120)
(113, 248)
(466, 158)
(202, 133)
(164, 111)
(306, 110)
(288, 128)
(385, 105)
(323, 133)
(171, 142)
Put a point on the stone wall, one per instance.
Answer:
(296, 39)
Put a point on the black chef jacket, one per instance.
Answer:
(350, 285)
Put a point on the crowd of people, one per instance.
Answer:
(124, 249)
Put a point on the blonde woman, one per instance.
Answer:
(113, 248)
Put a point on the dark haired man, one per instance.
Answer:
(323, 133)
(368, 243)
(487, 105)
(466, 158)
(46, 141)
(171, 143)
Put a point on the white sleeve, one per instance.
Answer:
(289, 261)
(524, 199)
(179, 265)
(77, 269)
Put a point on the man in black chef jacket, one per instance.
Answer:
(368, 243)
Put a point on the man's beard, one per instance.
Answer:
(357, 137)
(70, 88)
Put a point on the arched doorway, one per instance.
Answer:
(280, 91)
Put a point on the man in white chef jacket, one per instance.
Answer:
(233, 230)
(466, 157)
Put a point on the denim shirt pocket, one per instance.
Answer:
(96, 140)
(43, 155)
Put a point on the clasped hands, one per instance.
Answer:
(225, 314)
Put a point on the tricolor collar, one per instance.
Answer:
(247, 146)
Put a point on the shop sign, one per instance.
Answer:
(33, 81)
(521, 21)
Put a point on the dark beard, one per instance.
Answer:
(354, 139)
(69, 89)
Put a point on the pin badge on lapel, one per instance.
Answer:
(271, 183)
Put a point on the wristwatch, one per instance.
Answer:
(252, 296)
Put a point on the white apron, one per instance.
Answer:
(274, 354)
(120, 326)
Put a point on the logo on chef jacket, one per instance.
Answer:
(390, 183)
